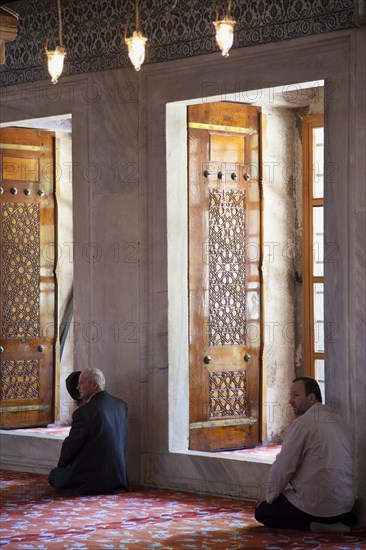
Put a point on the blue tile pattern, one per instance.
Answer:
(93, 30)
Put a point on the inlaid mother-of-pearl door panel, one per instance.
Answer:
(27, 277)
(224, 275)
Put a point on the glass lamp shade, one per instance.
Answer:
(55, 63)
(136, 49)
(225, 34)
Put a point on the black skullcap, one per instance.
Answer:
(71, 383)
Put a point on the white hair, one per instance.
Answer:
(96, 375)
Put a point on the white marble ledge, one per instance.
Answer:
(29, 433)
(230, 455)
(26, 451)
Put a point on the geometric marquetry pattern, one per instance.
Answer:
(20, 379)
(227, 247)
(20, 277)
(227, 394)
(93, 32)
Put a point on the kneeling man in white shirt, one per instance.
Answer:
(310, 485)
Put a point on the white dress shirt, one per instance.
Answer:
(314, 469)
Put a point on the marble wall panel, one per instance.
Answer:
(135, 132)
(29, 453)
(311, 60)
(207, 474)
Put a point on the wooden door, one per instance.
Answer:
(27, 277)
(225, 255)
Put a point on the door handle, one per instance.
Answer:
(207, 359)
(247, 357)
(40, 348)
(1, 349)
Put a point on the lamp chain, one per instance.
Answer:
(137, 17)
(59, 22)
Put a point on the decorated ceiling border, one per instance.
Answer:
(93, 30)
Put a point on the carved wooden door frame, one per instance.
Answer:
(28, 310)
(225, 340)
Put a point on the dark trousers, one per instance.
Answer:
(282, 514)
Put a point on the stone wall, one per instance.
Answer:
(93, 30)
(120, 203)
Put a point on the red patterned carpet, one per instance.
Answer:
(34, 516)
